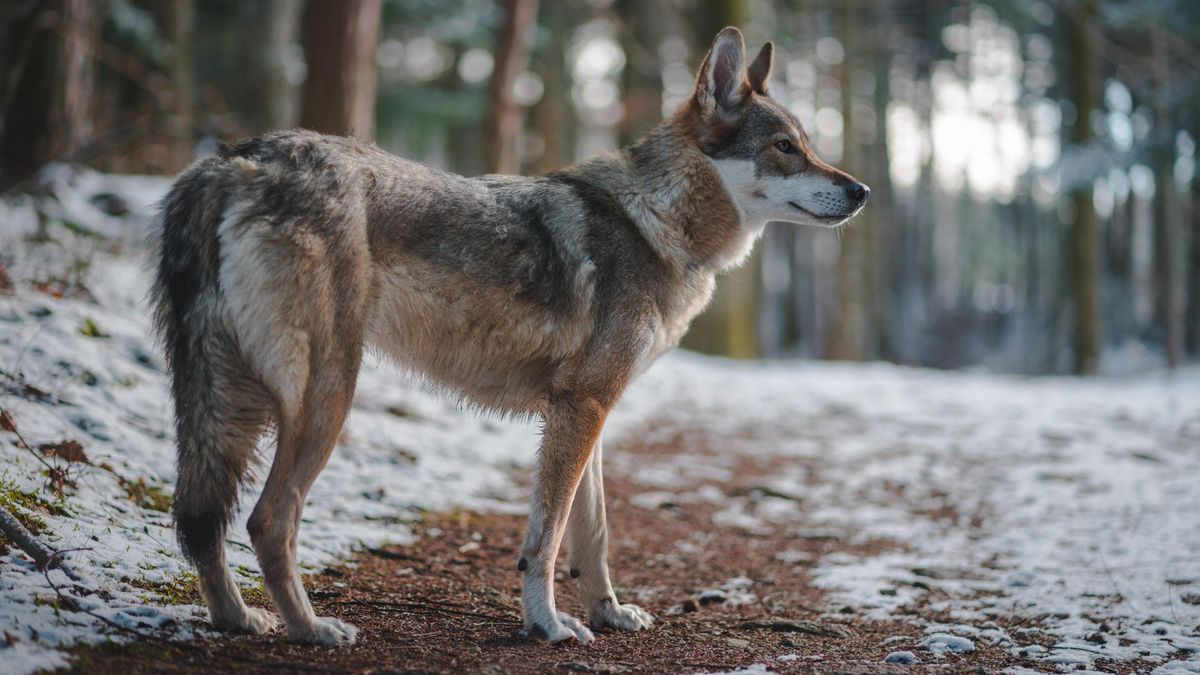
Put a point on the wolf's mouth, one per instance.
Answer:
(823, 219)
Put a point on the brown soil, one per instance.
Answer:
(449, 603)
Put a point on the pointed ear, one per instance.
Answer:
(760, 71)
(721, 82)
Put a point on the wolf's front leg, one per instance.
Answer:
(587, 546)
(572, 426)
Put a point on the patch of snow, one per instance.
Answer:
(940, 643)
(1068, 500)
(902, 658)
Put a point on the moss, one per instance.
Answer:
(185, 590)
(146, 495)
(182, 590)
(90, 329)
(26, 507)
(256, 596)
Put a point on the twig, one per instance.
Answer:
(21, 442)
(43, 555)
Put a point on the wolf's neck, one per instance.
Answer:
(684, 203)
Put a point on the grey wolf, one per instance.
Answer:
(282, 257)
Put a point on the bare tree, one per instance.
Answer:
(846, 336)
(641, 80)
(1084, 247)
(46, 101)
(269, 96)
(177, 19)
(1170, 250)
(553, 115)
(340, 39)
(502, 126)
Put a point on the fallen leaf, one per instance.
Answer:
(71, 451)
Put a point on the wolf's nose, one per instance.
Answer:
(858, 192)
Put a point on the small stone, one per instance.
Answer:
(737, 643)
(712, 597)
(1096, 638)
(690, 605)
(902, 658)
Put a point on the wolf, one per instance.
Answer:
(281, 258)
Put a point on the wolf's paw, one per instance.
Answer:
(609, 614)
(563, 627)
(325, 631)
(252, 621)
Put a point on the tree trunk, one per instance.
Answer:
(882, 237)
(1169, 250)
(47, 111)
(1193, 285)
(641, 79)
(502, 126)
(269, 99)
(1084, 247)
(553, 114)
(845, 340)
(177, 19)
(340, 38)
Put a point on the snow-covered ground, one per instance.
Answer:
(1074, 504)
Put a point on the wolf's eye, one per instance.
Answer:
(785, 146)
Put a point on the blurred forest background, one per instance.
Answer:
(1032, 161)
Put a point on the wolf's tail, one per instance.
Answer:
(186, 298)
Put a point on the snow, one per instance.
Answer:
(902, 658)
(1070, 501)
(940, 643)
(1071, 504)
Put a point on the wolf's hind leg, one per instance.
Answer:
(305, 442)
(587, 546)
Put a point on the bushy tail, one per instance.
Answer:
(186, 300)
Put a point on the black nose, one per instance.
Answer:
(858, 192)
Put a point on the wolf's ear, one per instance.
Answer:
(760, 70)
(721, 83)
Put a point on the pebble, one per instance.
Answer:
(902, 658)
(737, 642)
(712, 597)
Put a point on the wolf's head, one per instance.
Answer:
(759, 148)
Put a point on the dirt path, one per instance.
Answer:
(449, 602)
